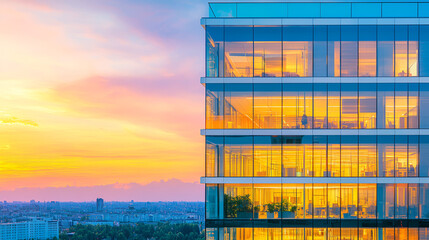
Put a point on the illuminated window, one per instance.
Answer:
(214, 106)
(334, 103)
(319, 201)
(401, 51)
(349, 198)
(413, 50)
(319, 156)
(234, 194)
(214, 152)
(267, 106)
(385, 201)
(238, 157)
(349, 106)
(349, 156)
(385, 50)
(293, 201)
(267, 156)
(238, 51)
(320, 102)
(238, 105)
(334, 203)
(297, 51)
(268, 51)
(267, 201)
(367, 105)
(295, 153)
(334, 156)
(297, 105)
(367, 156)
(367, 201)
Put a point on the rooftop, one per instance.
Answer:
(321, 9)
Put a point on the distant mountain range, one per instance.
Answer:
(171, 190)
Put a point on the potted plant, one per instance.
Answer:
(256, 210)
(272, 208)
(238, 207)
(288, 209)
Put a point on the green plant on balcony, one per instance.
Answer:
(238, 206)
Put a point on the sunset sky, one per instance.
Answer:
(100, 92)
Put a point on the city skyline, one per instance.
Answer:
(95, 94)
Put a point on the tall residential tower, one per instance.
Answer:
(317, 120)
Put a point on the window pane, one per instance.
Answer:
(238, 157)
(413, 105)
(349, 201)
(424, 201)
(320, 106)
(413, 50)
(319, 156)
(385, 105)
(424, 101)
(308, 201)
(294, 154)
(268, 51)
(334, 156)
(268, 105)
(297, 105)
(401, 105)
(401, 209)
(334, 47)
(385, 47)
(238, 51)
(367, 51)
(349, 106)
(401, 156)
(267, 156)
(424, 50)
(385, 201)
(386, 156)
(401, 50)
(367, 201)
(320, 201)
(424, 156)
(293, 201)
(267, 200)
(320, 51)
(334, 210)
(413, 201)
(413, 156)
(212, 201)
(214, 154)
(334, 106)
(367, 105)
(238, 106)
(297, 51)
(214, 106)
(214, 48)
(349, 156)
(349, 40)
(367, 156)
(238, 193)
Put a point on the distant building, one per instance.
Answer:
(36, 228)
(100, 204)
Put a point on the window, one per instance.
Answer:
(238, 157)
(297, 51)
(268, 51)
(238, 51)
(413, 50)
(267, 200)
(367, 156)
(211, 201)
(297, 105)
(267, 156)
(320, 51)
(349, 52)
(367, 201)
(214, 51)
(334, 104)
(297, 150)
(367, 51)
(424, 50)
(214, 154)
(320, 102)
(214, 106)
(234, 194)
(401, 51)
(386, 156)
(349, 106)
(385, 47)
(238, 106)
(349, 156)
(367, 105)
(386, 105)
(268, 106)
(334, 47)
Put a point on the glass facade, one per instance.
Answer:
(316, 106)
(316, 120)
(335, 50)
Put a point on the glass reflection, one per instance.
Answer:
(238, 51)
(297, 51)
(268, 51)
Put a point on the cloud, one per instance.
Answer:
(171, 190)
(15, 120)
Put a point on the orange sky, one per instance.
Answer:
(100, 92)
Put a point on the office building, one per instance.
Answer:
(317, 120)
(36, 228)
(100, 204)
